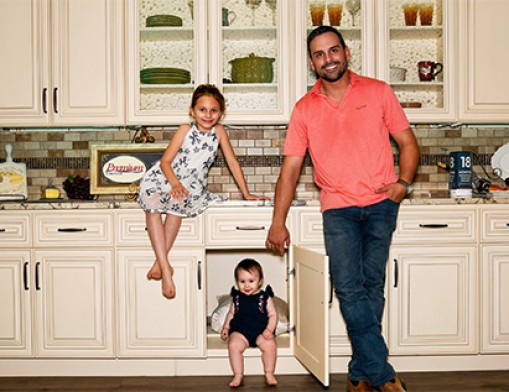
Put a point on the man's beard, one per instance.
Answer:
(342, 68)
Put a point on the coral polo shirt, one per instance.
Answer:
(349, 143)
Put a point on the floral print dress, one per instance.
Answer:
(191, 166)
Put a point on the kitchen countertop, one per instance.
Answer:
(431, 198)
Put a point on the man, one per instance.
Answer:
(345, 122)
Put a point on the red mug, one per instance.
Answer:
(428, 70)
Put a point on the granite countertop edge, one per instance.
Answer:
(97, 204)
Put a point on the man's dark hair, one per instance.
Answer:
(322, 30)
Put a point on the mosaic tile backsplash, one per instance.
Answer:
(54, 154)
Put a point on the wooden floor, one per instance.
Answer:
(416, 382)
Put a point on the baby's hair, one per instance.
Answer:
(211, 90)
(249, 265)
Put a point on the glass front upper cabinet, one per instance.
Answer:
(416, 56)
(166, 59)
(353, 18)
(249, 55)
(239, 45)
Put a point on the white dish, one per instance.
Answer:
(500, 162)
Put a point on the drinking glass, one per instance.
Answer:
(353, 7)
(253, 5)
(272, 4)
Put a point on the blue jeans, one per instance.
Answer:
(357, 240)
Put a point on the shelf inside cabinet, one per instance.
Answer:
(416, 32)
(255, 87)
(249, 33)
(166, 33)
(163, 88)
(418, 85)
(348, 33)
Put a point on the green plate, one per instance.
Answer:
(163, 20)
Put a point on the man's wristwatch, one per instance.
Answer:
(405, 184)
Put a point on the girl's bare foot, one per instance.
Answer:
(155, 272)
(236, 381)
(168, 286)
(270, 379)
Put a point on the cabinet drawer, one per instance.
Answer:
(494, 224)
(238, 227)
(309, 226)
(74, 229)
(131, 230)
(436, 223)
(15, 230)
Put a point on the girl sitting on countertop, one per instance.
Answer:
(177, 184)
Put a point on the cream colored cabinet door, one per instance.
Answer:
(484, 55)
(151, 325)
(433, 299)
(24, 66)
(309, 233)
(310, 314)
(74, 303)
(15, 306)
(495, 298)
(87, 59)
(63, 62)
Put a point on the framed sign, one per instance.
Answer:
(118, 168)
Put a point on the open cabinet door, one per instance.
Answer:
(311, 311)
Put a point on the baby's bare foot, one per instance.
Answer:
(155, 272)
(236, 381)
(270, 379)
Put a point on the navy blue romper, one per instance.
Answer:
(250, 313)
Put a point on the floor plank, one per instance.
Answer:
(496, 381)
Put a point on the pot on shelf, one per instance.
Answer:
(252, 69)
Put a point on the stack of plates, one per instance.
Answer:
(165, 76)
(163, 20)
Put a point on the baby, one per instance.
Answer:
(251, 322)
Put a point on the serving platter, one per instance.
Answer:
(500, 162)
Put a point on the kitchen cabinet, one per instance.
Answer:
(15, 301)
(149, 324)
(64, 63)
(57, 299)
(205, 48)
(73, 284)
(494, 271)
(404, 43)
(358, 30)
(299, 277)
(484, 52)
(432, 280)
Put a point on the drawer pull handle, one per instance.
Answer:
(249, 227)
(25, 275)
(199, 275)
(72, 229)
(434, 226)
(37, 283)
(2, 230)
(396, 273)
